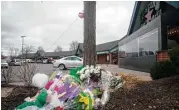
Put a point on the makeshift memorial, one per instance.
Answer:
(84, 88)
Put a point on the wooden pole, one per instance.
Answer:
(89, 44)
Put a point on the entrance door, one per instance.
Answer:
(114, 58)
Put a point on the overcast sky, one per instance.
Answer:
(43, 22)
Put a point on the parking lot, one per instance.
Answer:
(41, 68)
(48, 69)
(45, 68)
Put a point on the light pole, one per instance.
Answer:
(22, 45)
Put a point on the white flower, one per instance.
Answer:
(96, 70)
(91, 69)
(109, 73)
(99, 67)
(82, 76)
(87, 67)
(97, 102)
(87, 72)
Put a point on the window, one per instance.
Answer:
(75, 58)
(129, 49)
(122, 51)
(148, 43)
(132, 48)
(144, 45)
(174, 3)
(68, 58)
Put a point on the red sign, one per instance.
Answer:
(81, 15)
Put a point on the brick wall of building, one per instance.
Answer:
(102, 59)
(162, 56)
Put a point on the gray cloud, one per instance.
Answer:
(43, 22)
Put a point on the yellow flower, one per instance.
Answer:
(84, 99)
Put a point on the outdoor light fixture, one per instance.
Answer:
(173, 31)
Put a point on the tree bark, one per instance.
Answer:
(89, 44)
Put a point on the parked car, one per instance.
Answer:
(39, 61)
(23, 61)
(4, 64)
(32, 61)
(15, 62)
(68, 62)
(28, 60)
(48, 60)
(45, 61)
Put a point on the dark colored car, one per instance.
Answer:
(15, 62)
(50, 60)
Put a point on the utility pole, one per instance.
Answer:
(89, 43)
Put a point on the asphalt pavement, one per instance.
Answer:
(48, 69)
(45, 68)
(40, 68)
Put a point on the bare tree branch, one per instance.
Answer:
(27, 50)
(73, 45)
(13, 52)
(58, 49)
(40, 52)
(26, 72)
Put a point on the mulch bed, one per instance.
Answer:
(17, 97)
(160, 94)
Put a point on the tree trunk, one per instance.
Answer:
(89, 44)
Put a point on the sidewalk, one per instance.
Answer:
(6, 91)
(115, 69)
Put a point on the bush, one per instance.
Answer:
(7, 74)
(174, 56)
(26, 72)
(162, 69)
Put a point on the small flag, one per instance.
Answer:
(81, 15)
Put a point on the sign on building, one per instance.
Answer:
(151, 11)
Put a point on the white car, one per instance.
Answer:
(28, 60)
(68, 62)
(4, 64)
(44, 61)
